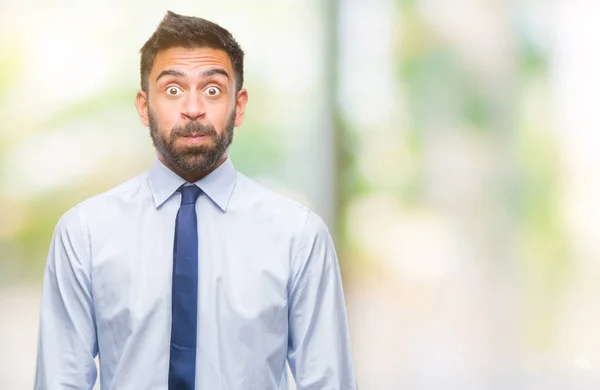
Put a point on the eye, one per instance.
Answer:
(173, 91)
(213, 91)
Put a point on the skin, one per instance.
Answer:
(191, 89)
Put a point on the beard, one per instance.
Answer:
(192, 158)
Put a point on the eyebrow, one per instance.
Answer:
(171, 72)
(214, 71)
(207, 73)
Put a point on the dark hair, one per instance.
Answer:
(190, 32)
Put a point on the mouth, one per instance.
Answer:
(194, 139)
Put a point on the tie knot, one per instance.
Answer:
(189, 194)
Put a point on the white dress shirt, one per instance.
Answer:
(269, 289)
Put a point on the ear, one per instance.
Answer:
(141, 104)
(240, 105)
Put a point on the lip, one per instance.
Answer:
(195, 139)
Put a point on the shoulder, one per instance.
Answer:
(105, 204)
(248, 193)
(282, 211)
(125, 191)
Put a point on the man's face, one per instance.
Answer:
(191, 108)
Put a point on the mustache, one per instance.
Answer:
(193, 129)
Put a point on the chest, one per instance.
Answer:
(243, 271)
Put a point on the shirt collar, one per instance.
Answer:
(217, 185)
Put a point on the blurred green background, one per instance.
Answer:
(451, 146)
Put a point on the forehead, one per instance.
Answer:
(189, 60)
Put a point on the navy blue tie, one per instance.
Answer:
(182, 364)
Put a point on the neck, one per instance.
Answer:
(192, 177)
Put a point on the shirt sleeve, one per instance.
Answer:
(319, 352)
(67, 342)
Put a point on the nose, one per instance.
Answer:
(193, 107)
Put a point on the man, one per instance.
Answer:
(191, 275)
